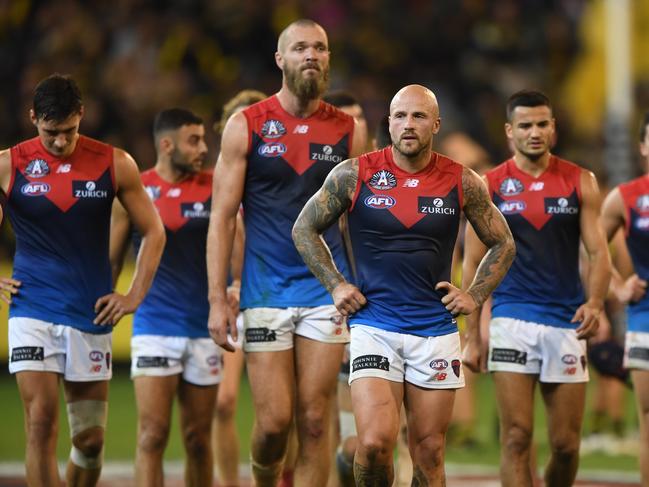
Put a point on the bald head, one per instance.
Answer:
(286, 37)
(415, 95)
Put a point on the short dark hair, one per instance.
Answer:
(382, 134)
(56, 98)
(643, 126)
(526, 98)
(173, 119)
(340, 98)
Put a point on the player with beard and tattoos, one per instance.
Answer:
(274, 156)
(540, 314)
(172, 353)
(404, 205)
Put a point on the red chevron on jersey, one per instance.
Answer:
(63, 181)
(409, 196)
(299, 142)
(177, 203)
(536, 199)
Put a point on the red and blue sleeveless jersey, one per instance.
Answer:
(403, 229)
(635, 196)
(543, 284)
(176, 304)
(60, 212)
(288, 161)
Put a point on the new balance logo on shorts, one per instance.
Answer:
(639, 353)
(27, 353)
(150, 362)
(370, 362)
(508, 355)
(255, 335)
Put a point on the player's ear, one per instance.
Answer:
(279, 60)
(32, 116)
(166, 145)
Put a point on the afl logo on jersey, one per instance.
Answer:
(87, 189)
(511, 187)
(35, 189)
(512, 207)
(272, 129)
(383, 180)
(37, 168)
(380, 202)
(272, 149)
(642, 203)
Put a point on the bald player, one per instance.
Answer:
(281, 150)
(404, 205)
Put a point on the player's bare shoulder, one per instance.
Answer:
(126, 170)
(235, 140)
(5, 169)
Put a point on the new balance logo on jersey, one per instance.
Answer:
(174, 192)
(301, 129)
(63, 168)
(370, 362)
(194, 210)
(537, 186)
(560, 206)
(411, 183)
(87, 189)
(434, 206)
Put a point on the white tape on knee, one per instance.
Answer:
(83, 415)
(347, 425)
(80, 460)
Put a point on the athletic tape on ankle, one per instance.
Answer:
(83, 415)
(80, 460)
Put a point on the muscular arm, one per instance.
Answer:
(227, 191)
(491, 229)
(120, 229)
(141, 212)
(320, 212)
(7, 284)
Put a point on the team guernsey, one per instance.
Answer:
(543, 283)
(635, 195)
(176, 304)
(288, 161)
(403, 230)
(60, 212)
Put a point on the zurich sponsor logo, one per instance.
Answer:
(512, 207)
(272, 149)
(569, 359)
(439, 364)
(96, 356)
(35, 189)
(380, 202)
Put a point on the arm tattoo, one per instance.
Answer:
(321, 211)
(377, 476)
(492, 229)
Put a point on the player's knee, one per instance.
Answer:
(197, 440)
(225, 406)
(429, 451)
(516, 439)
(152, 436)
(375, 447)
(565, 446)
(274, 424)
(41, 429)
(312, 423)
(87, 421)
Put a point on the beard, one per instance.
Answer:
(180, 163)
(412, 151)
(309, 88)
